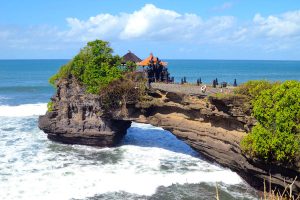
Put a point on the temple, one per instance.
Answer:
(156, 70)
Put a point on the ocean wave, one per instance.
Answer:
(138, 172)
(37, 168)
(4, 98)
(24, 110)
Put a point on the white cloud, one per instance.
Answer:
(151, 21)
(152, 24)
(220, 24)
(276, 32)
(284, 25)
(146, 20)
(148, 23)
(102, 25)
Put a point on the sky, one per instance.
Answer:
(191, 29)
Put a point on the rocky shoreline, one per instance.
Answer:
(214, 127)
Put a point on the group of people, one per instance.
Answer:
(215, 82)
(223, 84)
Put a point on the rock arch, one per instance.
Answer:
(214, 127)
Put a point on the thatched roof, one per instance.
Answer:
(130, 57)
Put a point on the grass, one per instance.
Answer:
(286, 194)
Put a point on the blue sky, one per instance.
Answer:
(193, 29)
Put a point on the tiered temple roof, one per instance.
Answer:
(147, 61)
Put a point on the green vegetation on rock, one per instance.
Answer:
(101, 73)
(276, 107)
(50, 106)
(95, 67)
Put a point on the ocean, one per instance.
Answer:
(228, 70)
(151, 163)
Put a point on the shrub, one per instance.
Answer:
(95, 67)
(253, 88)
(63, 72)
(130, 66)
(129, 89)
(276, 136)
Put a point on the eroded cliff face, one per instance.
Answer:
(77, 118)
(212, 126)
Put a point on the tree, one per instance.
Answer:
(95, 66)
(130, 66)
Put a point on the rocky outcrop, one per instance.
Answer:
(77, 118)
(212, 126)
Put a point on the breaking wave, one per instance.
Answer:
(24, 110)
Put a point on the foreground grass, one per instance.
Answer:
(286, 194)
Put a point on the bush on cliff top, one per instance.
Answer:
(276, 137)
(95, 67)
(252, 89)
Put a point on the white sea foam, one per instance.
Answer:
(138, 172)
(32, 167)
(24, 110)
(145, 126)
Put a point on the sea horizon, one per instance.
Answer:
(204, 59)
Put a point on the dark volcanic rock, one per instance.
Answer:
(77, 118)
(214, 127)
